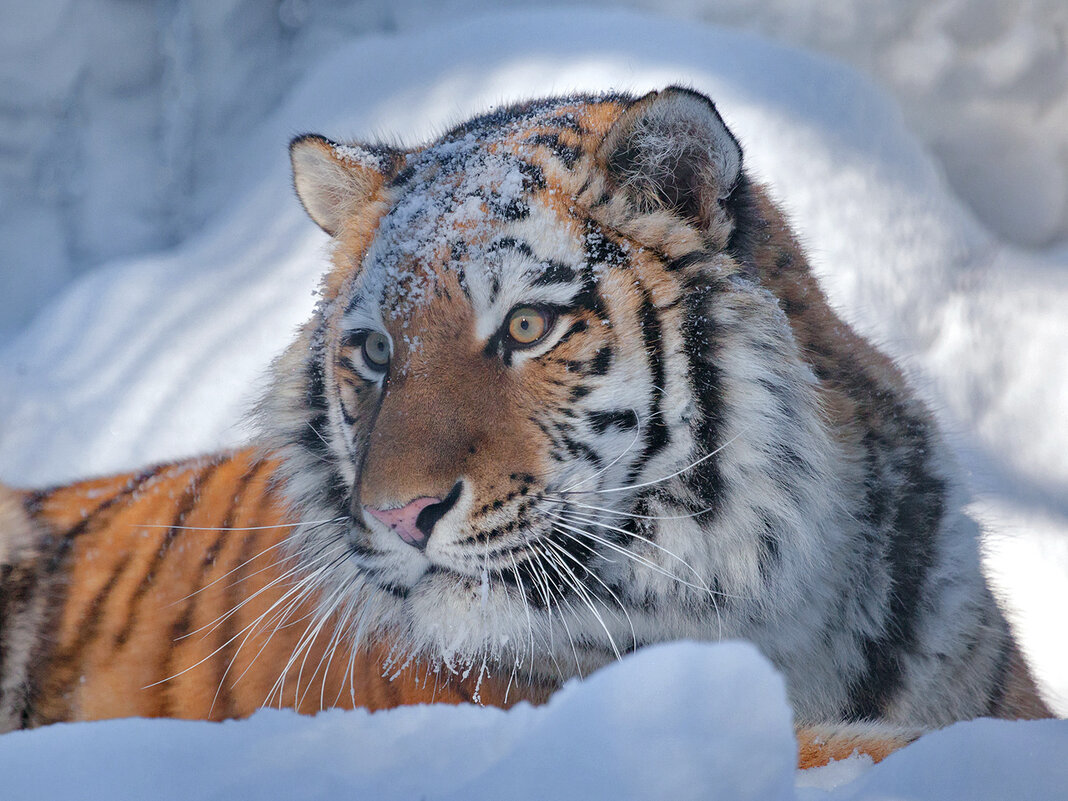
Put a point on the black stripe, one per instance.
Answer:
(132, 486)
(905, 505)
(188, 501)
(315, 386)
(403, 177)
(625, 419)
(312, 436)
(566, 121)
(656, 436)
(19, 585)
(229, 642)
(182, 625)
(566, 153)
(687, 260)
(533, 175)
(89, 623)
(602, 200)
(589, 297)
(600, 249)
(511, 209)
(511, 243)
(701, 344)
(750, 228)
(578, 392)
(601, 361)
(1000, 684)
(555, 272)
(580, 450)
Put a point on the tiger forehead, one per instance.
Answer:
(455, 201)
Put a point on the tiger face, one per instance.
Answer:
(509, 425)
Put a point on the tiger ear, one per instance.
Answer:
(332, 180)
(671, 150)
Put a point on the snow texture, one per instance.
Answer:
(679, 721)
(159, 356)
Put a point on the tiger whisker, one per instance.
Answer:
(563, 618)
(329, 447)
(540, 582)
(238, 528)
(318, 617)
(230, 572)
(310, 635)
(526, 606)
(294, 569)
(679, 472)
(332, 644)
(213, 653)
(576, 517)
(247, 562)
(628, 554)
(603, 470)
(335, 642)
(578, 586)
(288, 602)
(609, 590)
(633, 515)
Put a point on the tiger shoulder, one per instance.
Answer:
(572, 389)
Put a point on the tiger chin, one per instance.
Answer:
(571, 389)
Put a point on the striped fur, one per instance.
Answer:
(163, 593)
(696, 447)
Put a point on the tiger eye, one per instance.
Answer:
(376, 349)
(527, 325)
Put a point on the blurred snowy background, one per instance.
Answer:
(172, 85)
(153, 258)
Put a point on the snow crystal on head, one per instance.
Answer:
(358, 156)
(459, 191)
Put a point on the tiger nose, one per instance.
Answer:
(414, 522)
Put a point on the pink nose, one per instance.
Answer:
(403, 520)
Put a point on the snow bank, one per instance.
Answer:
(678, 721)
(684, 721)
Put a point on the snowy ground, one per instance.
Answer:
(158, 357)
(735, 745)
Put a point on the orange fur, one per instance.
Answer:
(820, 745)
(151, 566)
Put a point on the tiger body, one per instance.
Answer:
(571, 389)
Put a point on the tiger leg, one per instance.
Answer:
(819, 745)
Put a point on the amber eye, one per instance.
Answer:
(526, 325)
(376, 350)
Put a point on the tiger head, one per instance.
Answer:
(526, 391)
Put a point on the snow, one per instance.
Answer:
(679, 721)
(177, 85)
(159, 356)
(558, 751)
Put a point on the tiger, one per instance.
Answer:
(571, 388)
